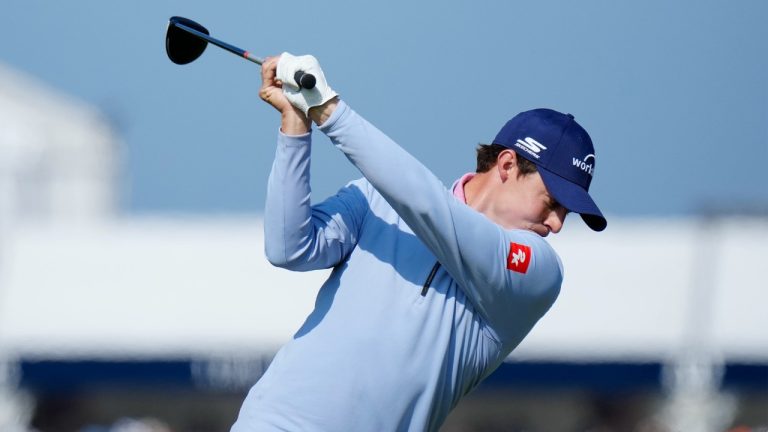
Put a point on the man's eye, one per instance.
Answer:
(554, 205)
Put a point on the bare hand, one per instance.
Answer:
(293, 120)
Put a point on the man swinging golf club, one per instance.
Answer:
(432, 287)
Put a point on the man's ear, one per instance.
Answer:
(506, 164)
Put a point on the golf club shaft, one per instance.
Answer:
(302, 80)
(221, 44)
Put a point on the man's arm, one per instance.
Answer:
(298, 236)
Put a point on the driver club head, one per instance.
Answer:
(181, 46)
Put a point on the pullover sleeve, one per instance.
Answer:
(298, 236)
(511, 276)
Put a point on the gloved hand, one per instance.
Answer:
(303, 99)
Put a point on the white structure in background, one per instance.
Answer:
(57, 164)
(57, 155)
(172, 288)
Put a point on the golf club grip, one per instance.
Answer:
(304, 80)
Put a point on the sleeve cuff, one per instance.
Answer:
(294, 140)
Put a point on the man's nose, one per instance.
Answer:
(555, 219)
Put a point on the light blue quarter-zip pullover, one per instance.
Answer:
(426, 298)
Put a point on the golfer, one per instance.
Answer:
(432, 287)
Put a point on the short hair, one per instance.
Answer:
(488, 153)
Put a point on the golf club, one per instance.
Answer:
(186, 40)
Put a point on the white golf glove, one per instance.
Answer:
(303, 99)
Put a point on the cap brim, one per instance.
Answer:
(574, 198)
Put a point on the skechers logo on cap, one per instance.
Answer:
(531, 146)
(585, 165)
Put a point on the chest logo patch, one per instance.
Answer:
(519, 257)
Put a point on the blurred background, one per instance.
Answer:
(134, 292)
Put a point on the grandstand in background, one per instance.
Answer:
(661, 323)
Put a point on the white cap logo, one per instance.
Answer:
(585, 165)
(531, 146)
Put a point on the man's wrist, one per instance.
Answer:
(294, 123)
(320, 114)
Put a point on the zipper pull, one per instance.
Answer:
(431, 276)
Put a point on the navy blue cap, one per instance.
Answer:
(564, 155)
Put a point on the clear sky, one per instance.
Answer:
(674, 93)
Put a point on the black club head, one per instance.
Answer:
(181, 46)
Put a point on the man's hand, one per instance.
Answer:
(302, 98)
(294, 121)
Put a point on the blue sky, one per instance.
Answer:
(674, 94)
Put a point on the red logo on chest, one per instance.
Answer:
(519, 257)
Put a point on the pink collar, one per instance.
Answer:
(458, 187)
